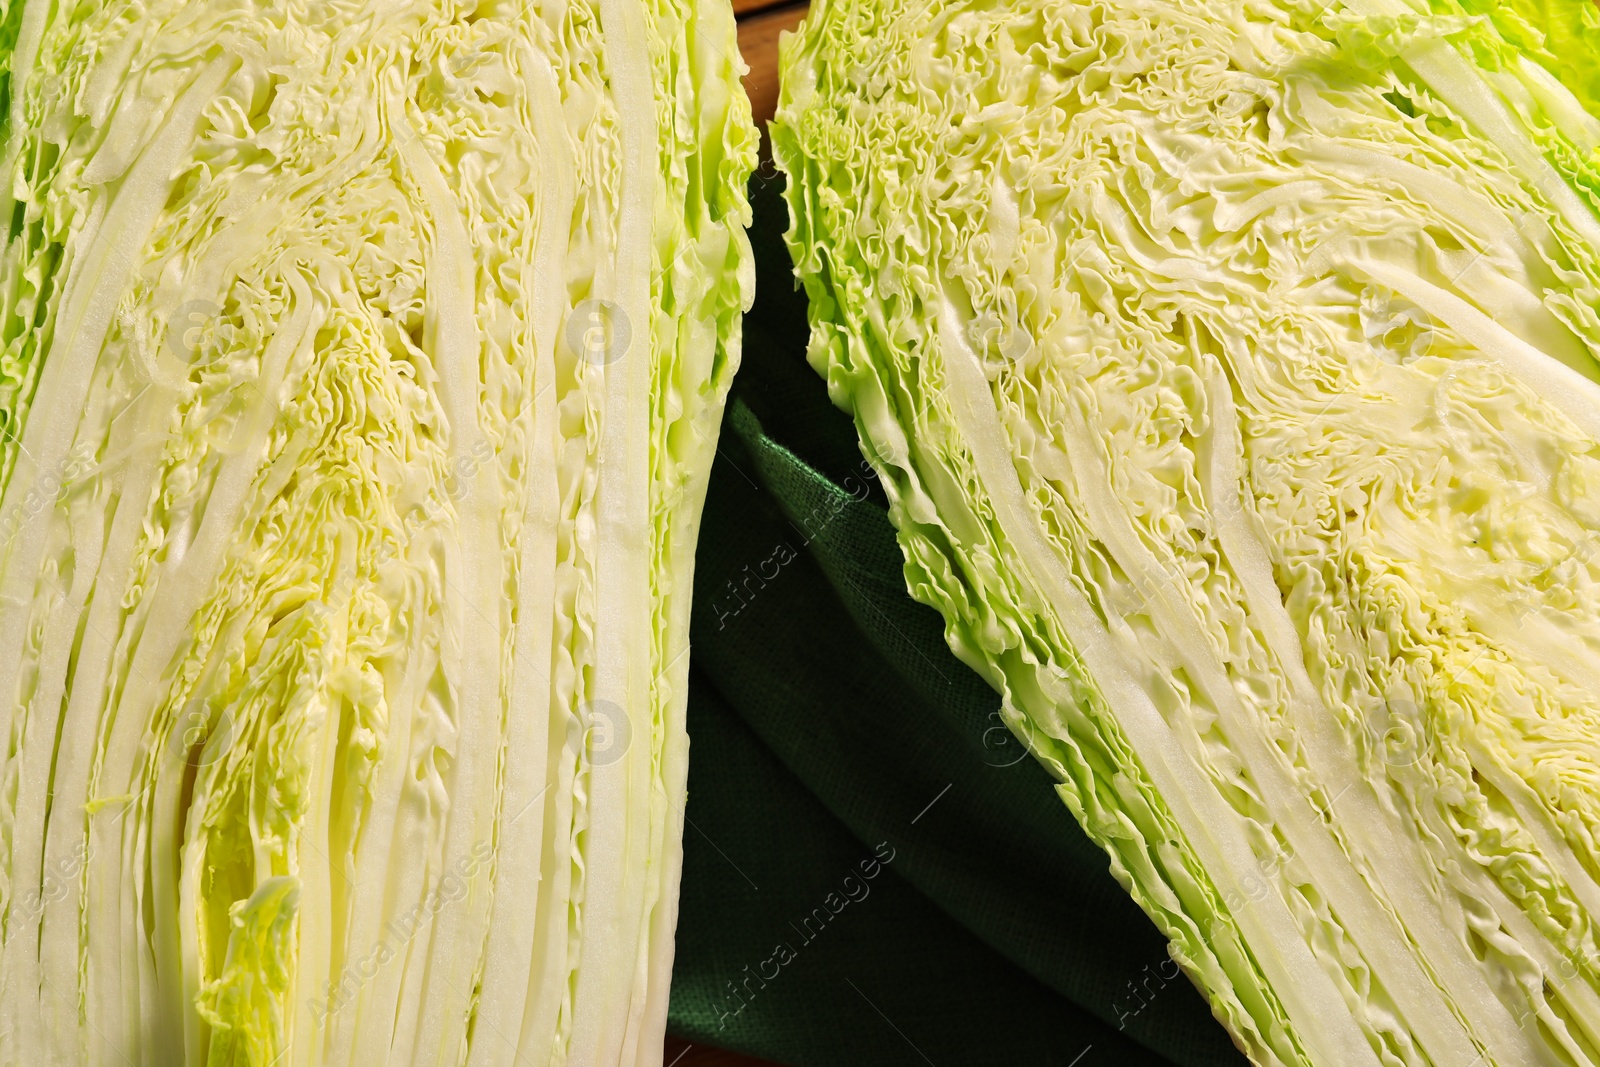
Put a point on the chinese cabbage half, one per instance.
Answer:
(362, 366)
(1230, 365)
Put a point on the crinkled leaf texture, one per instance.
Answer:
(362, 365)
(1230, 365)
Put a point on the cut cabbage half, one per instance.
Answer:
(1231, 366)
(362, 365)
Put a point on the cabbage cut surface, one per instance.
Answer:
(360, 369)
(1231, 368)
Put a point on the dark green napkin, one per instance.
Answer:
(833, 733)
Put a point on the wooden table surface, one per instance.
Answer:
(760, 22)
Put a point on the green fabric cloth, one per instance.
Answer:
(830, 725)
